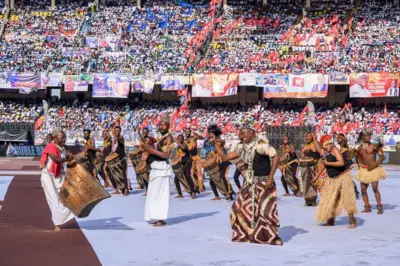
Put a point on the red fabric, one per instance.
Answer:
(55, 168)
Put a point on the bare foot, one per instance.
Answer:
(286, 195)
(160, 223)
(126, 192)
(299, 194)
(352, 226)
(107, 185)
(138, 187)
(193, 195)
(179, 197)
(115, 192)
(57, 229)
(216, 198)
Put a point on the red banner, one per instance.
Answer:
(369, 85)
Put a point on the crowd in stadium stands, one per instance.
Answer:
(75, 37)
(76, 116)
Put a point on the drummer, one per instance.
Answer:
(52, 163)
(214, 132)
(144, 135)
(289, 169)
(184, 153)
(194, 167)
(105, 151)
(118, 146)
(90, 150)
(310, 153)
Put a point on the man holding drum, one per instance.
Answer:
(157, 201)
(194, 159)
(53, 165)
(310, 155)
(181, 166)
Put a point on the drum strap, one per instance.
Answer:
(111, 165)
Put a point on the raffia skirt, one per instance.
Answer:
(368, 177)
(338, 194)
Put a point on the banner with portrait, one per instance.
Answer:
(111, 85)
(51, 79)
(294, 86)
(74, 83)
(215, 85)
(369, 85)
(24, 80)
(173, 83)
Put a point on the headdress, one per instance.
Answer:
(246, 124)
(165, 118)
(56, 131)
(326, 140)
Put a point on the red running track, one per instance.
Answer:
(26, 236)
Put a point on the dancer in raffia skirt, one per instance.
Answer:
(339, 191)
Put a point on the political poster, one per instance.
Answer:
(111, 85)
(369, 85)
(24, 80)
(52, 79)
(172, 83)
(74, 83)
(215, 85)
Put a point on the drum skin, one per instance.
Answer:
(307, 161)
(80, 192)
(141, 168)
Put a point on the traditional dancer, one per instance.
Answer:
(157, 201)
(369, 171)
(338, 189)
(254, 216)
(118, 146)
(105, 151)
(238, 173)
(195, 160)
(310, 154)
(90, 150)
(184, 176)
(288, 164)
(216, 168)
(144, 139)
(347, 156)
(52, 163)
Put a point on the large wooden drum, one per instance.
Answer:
(136, 157)
(116, 170)
(177, 168)
(82, 159)
(80, 192)
(307, 162)
(141, 168)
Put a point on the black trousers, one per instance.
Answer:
(187, 171)
(285, 186)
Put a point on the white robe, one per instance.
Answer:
(51, 185)
(157, 199)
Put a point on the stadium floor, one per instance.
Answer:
(198, 231)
